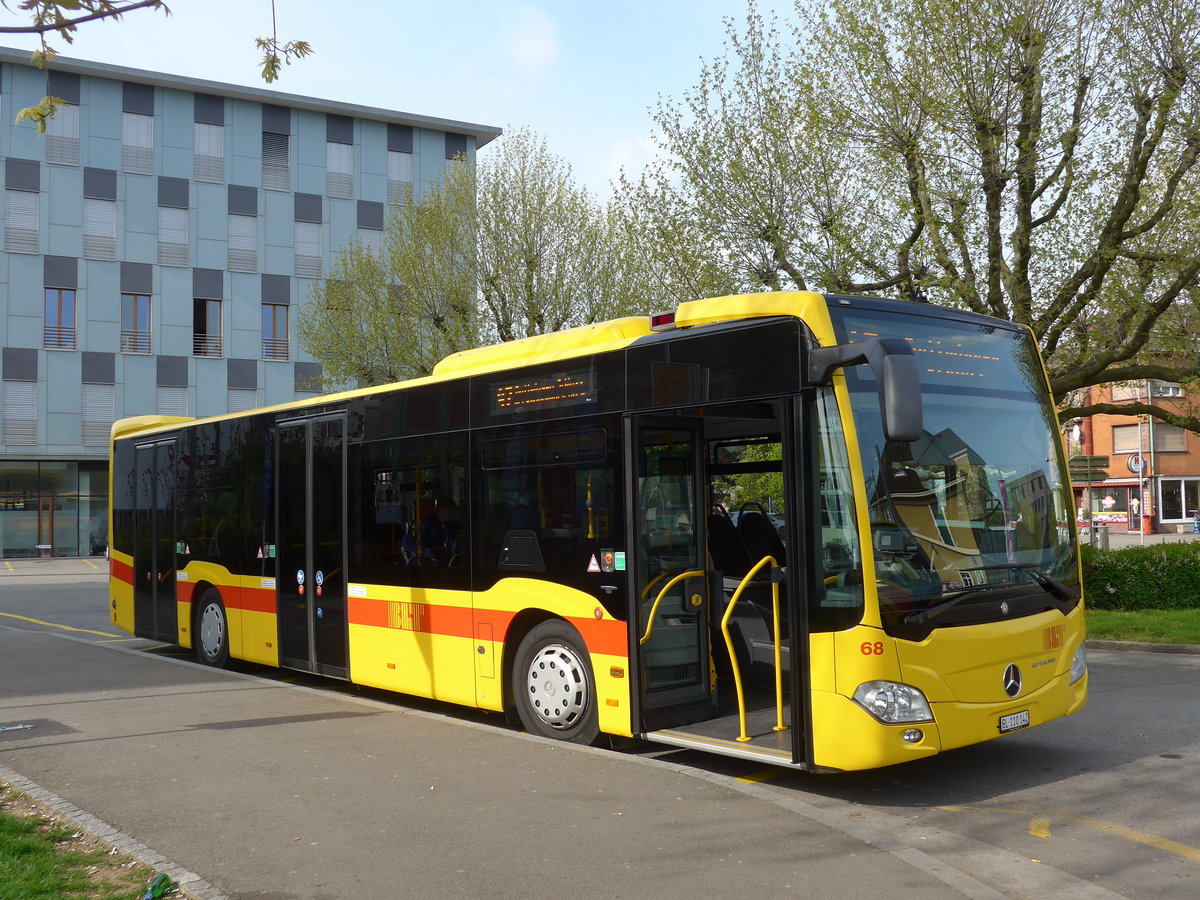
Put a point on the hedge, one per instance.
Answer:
(1162, 576)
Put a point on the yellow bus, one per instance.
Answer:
(824, 532)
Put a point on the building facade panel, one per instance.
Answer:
(128, 197)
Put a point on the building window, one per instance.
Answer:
(1136, 438)
(58, 326)
(62, 136)
(19, 422)
(339, 171)
(372, 239)
(399, 178)
(172, 401)
(135, 323)
(137, 144)
(172, 236)
(99, 228)
(210, 152)
(1180, 499)
(1127, 438)
(243, 243)
(276, 162)
(98, 414)
(206, 328)
(22, 221)
(308, 249)
(275, 331)
(1168, 437)
(242, 399)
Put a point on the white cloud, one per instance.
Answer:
(530, 40)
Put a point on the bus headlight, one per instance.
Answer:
(893, 703)
(1079, 664)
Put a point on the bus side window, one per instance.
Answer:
(409, 518)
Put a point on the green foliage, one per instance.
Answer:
(275, 55)
(1162, 576)
(377, 318)
(509, 250)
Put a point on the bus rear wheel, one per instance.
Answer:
(553, 687)
(212, 630)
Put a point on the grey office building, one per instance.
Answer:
(158, 239)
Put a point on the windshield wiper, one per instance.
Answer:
(920, 617)
(1044, 579)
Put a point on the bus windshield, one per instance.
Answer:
(971, 522)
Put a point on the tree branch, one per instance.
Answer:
(63, 25)
(1191, 423)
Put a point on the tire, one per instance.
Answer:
(211, 635)
(553, 687)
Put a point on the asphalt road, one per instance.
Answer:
(273, 788)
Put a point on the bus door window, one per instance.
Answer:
(838, 598)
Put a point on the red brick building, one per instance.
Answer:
(1154, 468)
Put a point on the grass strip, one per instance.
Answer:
(1153, 626)
(45, 859)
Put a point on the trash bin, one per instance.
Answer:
(1147, 525)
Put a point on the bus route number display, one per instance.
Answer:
(568, 389)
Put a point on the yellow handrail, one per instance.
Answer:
(657, 600)
(737, 675)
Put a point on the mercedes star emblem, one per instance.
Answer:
(1012, 680)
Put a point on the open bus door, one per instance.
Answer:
(670, 595)
(713, 637)
(311, 574)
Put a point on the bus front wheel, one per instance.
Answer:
(553, 687)
(212, 630)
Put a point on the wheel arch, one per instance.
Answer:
(523, 623)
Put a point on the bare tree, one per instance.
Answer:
(1033, 160)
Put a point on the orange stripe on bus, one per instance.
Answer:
(601, 635)
(120, 571)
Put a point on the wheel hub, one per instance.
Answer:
(557, 686)
(211, 629)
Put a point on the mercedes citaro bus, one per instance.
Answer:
(816, 531)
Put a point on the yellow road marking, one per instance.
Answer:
(56, 625)
(1039, 827)
(1129, 834)
(92, 564)
(118, 640)
(9, 566)
(758, 777)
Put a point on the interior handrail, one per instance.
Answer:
(737, 675)
(695, 573)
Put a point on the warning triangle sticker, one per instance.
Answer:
(260, 556)
(594, 565)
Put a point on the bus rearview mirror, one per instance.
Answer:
(896, 374)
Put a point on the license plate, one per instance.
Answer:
(1014, 722)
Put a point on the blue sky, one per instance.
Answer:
(582, 74)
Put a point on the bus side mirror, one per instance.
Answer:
(896, 374)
